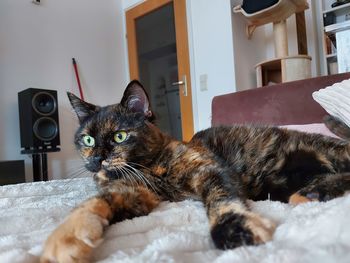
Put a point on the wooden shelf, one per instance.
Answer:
(331, 55)
(283, 69)
(331, 58)
(338, 18)
(331, 29)
(337, 9)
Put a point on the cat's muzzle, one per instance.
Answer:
(105, 175)
(114, 175)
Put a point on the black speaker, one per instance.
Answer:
(38, 116)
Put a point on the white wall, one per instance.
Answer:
(130, 3)
(211, 48)
(36, 47)
(247, 52)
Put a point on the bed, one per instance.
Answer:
(179, 232)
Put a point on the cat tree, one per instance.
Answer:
(284, 67)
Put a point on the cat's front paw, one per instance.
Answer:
(75, 238)
(234, 230)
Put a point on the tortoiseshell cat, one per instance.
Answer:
(136, 166)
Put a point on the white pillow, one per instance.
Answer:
(335, 100)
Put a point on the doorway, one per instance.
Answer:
(160, 61)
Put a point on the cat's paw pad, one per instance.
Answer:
(74, 240)
(234, 230)
(299, 198)
(316, 196)
(296, 199)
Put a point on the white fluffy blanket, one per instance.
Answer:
(174, 232)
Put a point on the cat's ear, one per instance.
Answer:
(136, 99)
(82, 109)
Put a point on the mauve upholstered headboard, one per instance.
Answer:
(281, 104)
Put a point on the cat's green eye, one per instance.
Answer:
(89, 141)
(120, 136)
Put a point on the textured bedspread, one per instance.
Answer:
(174, 232)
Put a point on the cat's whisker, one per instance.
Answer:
(142, 177)
(142, 166)
(132, 170)
(78, 172)
(84, 173)
(132, 174)
(142, 174)
(129, 176)
(124, 177)
(79, 166)
(153, 185)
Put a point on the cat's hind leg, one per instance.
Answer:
(323, 188)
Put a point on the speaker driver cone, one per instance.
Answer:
(44, 103)
(45, 128)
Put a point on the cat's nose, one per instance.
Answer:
(97, 160)
(94, 164)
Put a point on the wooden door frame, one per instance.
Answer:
(181, 48)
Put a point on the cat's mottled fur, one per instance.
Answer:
(136, 166)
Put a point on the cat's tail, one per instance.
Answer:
(337, 126)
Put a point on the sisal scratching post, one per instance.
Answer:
(281, 39)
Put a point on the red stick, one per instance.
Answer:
(78, 79)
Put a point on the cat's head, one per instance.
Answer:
(112, 137)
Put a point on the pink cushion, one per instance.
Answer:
(311, 128)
